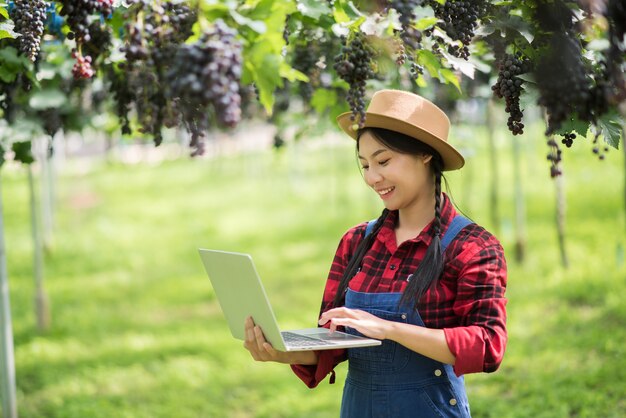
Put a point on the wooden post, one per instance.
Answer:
(493, 162)
(7, 359)
(520, 208)
(41, 300)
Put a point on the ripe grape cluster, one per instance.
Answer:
(204, 81)
(354, 65)
(29, 17)
(410, 37)
(153, 33)
(509, 86)
(460, 19)
(555, 157)
(568, 139)
(79, 15)
(564, 85)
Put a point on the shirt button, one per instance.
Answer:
(392, 267)
(452, 401)
(403, 316)
(437, 372)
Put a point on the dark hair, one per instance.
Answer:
(431, 267)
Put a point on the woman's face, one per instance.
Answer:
(401, 180)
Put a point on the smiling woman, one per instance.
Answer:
(426, 281)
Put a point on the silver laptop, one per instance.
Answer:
(241, 294)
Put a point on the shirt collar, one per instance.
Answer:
(448, 212)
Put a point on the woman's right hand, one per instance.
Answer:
(261, 350)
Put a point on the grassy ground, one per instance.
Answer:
(136, 331)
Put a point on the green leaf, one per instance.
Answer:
(314, 9)
(517, 24)
(6, 29)
(6, 75)
(426, 22)
(256, 25)
(323, 99)
(574, 125)
(4, 12)
(611, 129)
(450, 78)
(22, 152)
(429, 61)
(45, 99)
(291, 74)
(345, 11)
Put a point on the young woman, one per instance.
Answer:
(427, 282)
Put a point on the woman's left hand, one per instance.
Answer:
(367, 324)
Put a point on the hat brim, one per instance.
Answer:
(452, 159)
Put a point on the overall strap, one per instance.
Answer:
(370, 226)
(458, 223)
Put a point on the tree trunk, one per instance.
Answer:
(41, 300)
(47, 192)
(7, 360)
(559, 184)
(520, 208)
(493, 163)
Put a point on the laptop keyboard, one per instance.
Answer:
(297, 340)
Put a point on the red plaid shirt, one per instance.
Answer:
(468, 301)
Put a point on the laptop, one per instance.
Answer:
(241, 294)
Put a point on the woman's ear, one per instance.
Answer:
(426, 158)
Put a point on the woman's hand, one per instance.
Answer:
(367, 324)
(261, 350)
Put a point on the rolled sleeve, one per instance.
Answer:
(326, 362)
(479, 343)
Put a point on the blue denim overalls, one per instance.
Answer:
(391, 381)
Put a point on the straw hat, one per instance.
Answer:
(412, 115)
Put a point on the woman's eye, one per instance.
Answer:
(365, 167)
(384, 162)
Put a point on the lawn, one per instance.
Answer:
(136, 330)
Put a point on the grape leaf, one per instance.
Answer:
(611, 129)
(323, 99)
(449, 77)
(314, 9)
(574, 125)
(22, 152)
(6, 29)
(4, 12)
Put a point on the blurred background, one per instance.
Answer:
(132, 327)
(105, 308)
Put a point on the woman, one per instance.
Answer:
(427, 282)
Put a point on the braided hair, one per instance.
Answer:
(431, 267)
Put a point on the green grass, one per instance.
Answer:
(136, 330)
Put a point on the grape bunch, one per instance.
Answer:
(410, 37)
(460, 19)
(509, 86)
(354, 65)
(555, 157)
(565, 88)
(153, 33)
(82, 66)
(204, 81)
(78, 16)
(29, 17)
(568, 139)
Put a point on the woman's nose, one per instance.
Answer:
(372, 176)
